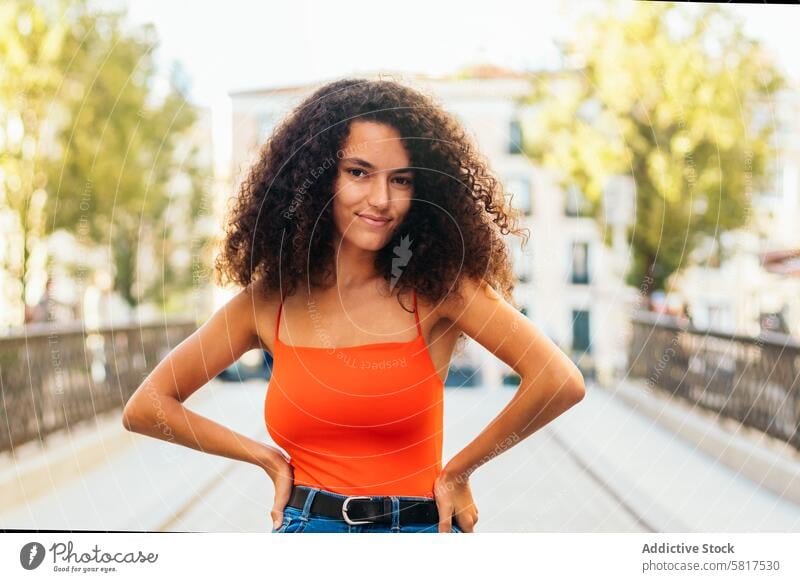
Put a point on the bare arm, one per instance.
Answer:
(156, 408)
(550, 384)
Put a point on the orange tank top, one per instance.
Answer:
(358, 420)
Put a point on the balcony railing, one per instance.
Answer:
(53, 376)
(754, 380)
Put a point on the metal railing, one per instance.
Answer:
(754, 380)
(55, 375)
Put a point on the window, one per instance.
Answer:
(575, 203)
(580, 263)
(515, 137)
(518, 189)
(581, 341)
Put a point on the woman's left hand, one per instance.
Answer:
(453, 496)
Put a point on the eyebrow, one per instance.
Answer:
(366, 164)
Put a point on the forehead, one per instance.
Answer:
(377, 143)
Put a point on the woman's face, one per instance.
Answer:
(373, 179)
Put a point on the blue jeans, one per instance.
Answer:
(303, 521)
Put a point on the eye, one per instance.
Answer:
(351, 170)
(405, 181)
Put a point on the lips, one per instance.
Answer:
(373, 220)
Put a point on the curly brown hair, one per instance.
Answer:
(284, 214)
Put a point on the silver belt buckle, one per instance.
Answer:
(344, 509)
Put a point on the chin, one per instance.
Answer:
(374, 244)
(367, 242)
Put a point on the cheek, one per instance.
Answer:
(346, 195)
(344, 205)
(402, 209)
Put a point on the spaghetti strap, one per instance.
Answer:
(278, 320)
(416, 313)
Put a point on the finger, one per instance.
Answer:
(456, 521)
(466, 519)
(445, 518)
(277, 511)
(277, 516)
(283, 491)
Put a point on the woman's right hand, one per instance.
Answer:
(280, 471)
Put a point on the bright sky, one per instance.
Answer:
(239, 44)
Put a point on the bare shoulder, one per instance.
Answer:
(485, 316)
(254, 309)
(472, 293)
(263, 311)
(246, 302)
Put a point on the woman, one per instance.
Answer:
(368, 202)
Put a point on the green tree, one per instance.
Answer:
(114, 181)
(673, 97)
(32, 44)
(89, 146)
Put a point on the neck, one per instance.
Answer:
(354, 266)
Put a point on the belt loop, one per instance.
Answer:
(312, 492)
(395, 515)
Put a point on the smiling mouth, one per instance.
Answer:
(373, 221)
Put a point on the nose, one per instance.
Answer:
(379, 195)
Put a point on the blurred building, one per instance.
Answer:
(570, 282)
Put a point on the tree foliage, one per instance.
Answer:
(100, 152)
(676, 98)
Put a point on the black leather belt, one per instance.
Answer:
(358, 509)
